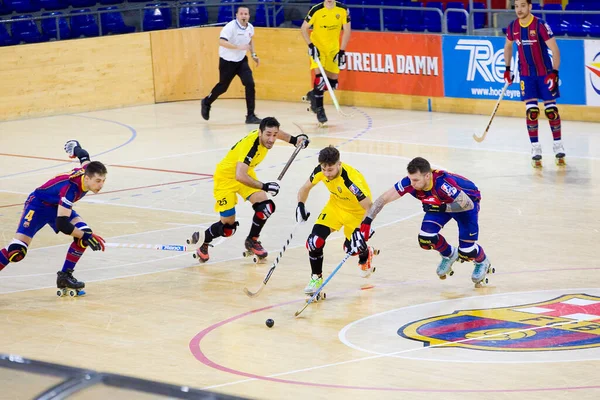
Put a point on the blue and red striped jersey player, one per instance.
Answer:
(445, 196)
(52, 204)
(539, 75)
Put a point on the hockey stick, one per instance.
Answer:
(275, 263)
(163, 247)
(480, 139)
(314, 296)
(287, 165)
(330, 89)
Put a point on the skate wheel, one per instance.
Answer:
(442, 277)
(255, 260)
(195, 255)
(304, 98)
(324, 295)
(376, 252)
(72, 292)
(491, 270)
(60, 293)
(451, 273)
(536, 163)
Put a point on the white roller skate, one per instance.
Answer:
(559, 153)
(536, 155)
(479, 276)
(444, 269)
(367, 268)
(315, 283)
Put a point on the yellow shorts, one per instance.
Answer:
(225, 190)
(327, 62)
(334, 218)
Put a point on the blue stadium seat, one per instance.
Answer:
(110, 2)
(5, 38)
(574, 22)
(83, 3)
(84, 25)
(112, 22)
(54, 4)
(457, 21)
(266, 10)
(478, 17)
(554, 20)
(431, 19)
(23, 6)
(357, 14)
(193, 13)
(371, 15)
(49, 26)
(157, 18)
(227, 11)
(26, 31)
(4, 10)
(413, 19)
(591, 24)
(393, 20)
(535, 8)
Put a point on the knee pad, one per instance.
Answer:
(17, 251)
(552, 113)
(315, 243)
(319, 83)
(333, 83)
(467, 254)
(229, 229)
(264, 209)
(428, 242)
(533, 113)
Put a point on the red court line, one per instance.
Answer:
(133, 188)
(110, 165)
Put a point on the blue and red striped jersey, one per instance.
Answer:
(534, 59)
(445, 187)
(64, 189)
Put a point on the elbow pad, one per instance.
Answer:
(64, 225)
(81, 154)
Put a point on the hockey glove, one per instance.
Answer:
(271, 187)
(508, 76)
(552, 81)
(313, 51)
(301, 214)
(340, 58)
(92, 241)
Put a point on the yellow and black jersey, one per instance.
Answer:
(248, 150)
(347, 190)
(327, 25)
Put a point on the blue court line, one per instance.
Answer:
(131, 139)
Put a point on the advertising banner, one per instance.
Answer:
(474, 69)
(592, 72)
(382, 62)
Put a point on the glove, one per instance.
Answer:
(271, 187)
(313, 52)
(304, 138)
(340, 58)
(365, 228)
(508, 77)
(301, 214)
(70, 148)
(92, 241)
(552, 81)
(358, 244)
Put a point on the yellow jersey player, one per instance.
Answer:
(235, 176)
(327, 19)
(348, 204)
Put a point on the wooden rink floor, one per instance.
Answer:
(162, 316)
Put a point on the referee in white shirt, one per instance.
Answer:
(235, 40)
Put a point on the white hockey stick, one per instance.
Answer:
(480, 139)
(330, 89)
(162, 247)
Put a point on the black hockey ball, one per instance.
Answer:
(270, 323)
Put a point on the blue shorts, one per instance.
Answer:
(468, 225)
(36, 215)
(533, 87)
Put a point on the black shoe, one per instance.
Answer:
(310, 96)
(253, 119)
(321, 117)
(67, 280)
(205, 110)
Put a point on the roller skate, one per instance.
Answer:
(194, 239)
(321, 117)
(315, 283)
(444, 269)
(68, 285)
(536, 155)
(559, 153)
(366, 268)
(205, 110)
(202, 253)
(310, 98)
(479, 276)
(255, 250)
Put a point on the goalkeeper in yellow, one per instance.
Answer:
(348, 203)
(327, 19)
(235, 176)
